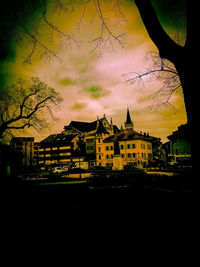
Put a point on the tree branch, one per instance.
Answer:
(69, 37)
(167, 47)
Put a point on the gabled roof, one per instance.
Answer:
(126, 135)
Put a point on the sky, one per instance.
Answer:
(89, 73)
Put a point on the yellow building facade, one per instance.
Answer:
(135, 149)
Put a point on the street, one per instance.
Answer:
(117, 192)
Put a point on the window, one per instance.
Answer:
(65, 154)
(133, 145)
(111, 147)
(107, 148)
(129, 155)
(128, 146)
(99, 156)
(122, 155)
(122, 146)
(99, 149)
(64, 147)
(90, 148)
(143, 146)
(148, 146)
(134, 155)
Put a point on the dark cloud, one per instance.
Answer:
(96, 92)
(66, 81)
(79, 106)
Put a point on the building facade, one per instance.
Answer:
(23, 152)
(99, 143)
(134, 148)
(89, 132)
(56, 150)
(178, 148)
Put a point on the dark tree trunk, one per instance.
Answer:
(168, 49)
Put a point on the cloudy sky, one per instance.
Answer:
(94, 45)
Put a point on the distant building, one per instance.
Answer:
(88, 131)
(23, 152)
(97, 143)
(135, 148)
(178, 148)
(56, 150)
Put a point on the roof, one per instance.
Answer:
(84, 126)
(184, 131)
(57, 138)
(127, 135)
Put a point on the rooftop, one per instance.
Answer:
(58, 138)
(130, 134)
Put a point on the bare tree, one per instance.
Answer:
(162, 70)
(169, 50)
(107, 39)
(108, 36)
(27, 103)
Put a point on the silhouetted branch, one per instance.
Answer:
(162, 70)
(32, 97)
(106, 38)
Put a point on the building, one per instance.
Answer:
(178, 148)
(23, 152)
(97, 143)
(134, 148)
(56, 150)
(89, 133)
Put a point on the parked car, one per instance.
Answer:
(59, 170)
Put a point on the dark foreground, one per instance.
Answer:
(116, 192)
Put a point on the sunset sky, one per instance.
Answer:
(89, 77)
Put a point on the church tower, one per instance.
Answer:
(128, 124)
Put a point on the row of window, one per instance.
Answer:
(90, 148)
(128, 146)
(90, 141)
(129, 155)
(54, 148)
(55, 155)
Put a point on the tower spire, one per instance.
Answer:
(128, 123)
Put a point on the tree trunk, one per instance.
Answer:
(169, 50)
